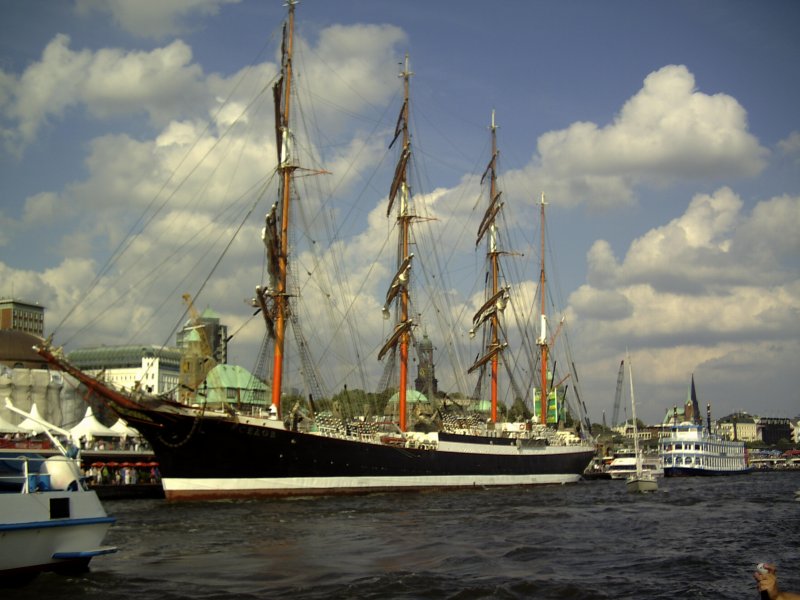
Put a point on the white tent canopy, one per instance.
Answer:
(124, 429)
(90, 427)
(30, 425)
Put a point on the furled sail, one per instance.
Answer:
(277, 93)
(399, 282)
(399, 330)
(494, 351)
(398, 128)
(269, 235)
(399, 178)
(492, 306)
(489, 217)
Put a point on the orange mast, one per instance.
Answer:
(286, 168)
(398, 290)
(495, 304)
(493, 259)
(404, 219)
(542, 341)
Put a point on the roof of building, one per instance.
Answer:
(739, 417)
(21, 302)
(16, 349)
(226, 377)
(425, 342)
(210, 314)
(192, 335)
(233, 376)
(412, 397)
(116, 357)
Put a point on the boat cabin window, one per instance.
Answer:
(59, 508)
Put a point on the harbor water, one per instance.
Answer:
(693, 538)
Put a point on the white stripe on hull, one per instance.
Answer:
(188, 488)
(505, 450)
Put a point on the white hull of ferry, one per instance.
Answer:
(691, 451)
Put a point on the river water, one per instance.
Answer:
(694, 538)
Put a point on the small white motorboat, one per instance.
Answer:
(49, 519)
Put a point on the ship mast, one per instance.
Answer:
(398, 290)
(542, 341)
(403, 219)
(493, 258)
(490, 311)
(635, 426)
(277, 240)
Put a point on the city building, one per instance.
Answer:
(774, 429)
(21, 315)
(152, 369)
(212, 332)
(740, 426)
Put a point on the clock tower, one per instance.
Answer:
(426, 381)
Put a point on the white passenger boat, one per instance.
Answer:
(49, 519)
(624, 463)
(692, 448)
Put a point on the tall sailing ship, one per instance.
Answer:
(232, 452)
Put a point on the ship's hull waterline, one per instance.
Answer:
(207, 458)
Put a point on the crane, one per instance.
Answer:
(618, 396)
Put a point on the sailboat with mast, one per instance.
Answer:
(641, 480)
(232, 452)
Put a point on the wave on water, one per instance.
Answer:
(694, 538)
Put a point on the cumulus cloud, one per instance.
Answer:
(349, 67)
(690, 291)
(153, 18)
(771, 233)
(162, 83)
(43, 208)
(365, 60)
(668, 131)
(607, 305)
(711, 283)
(790, 146)
(191, 183)
(710, 246)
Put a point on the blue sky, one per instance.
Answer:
(665, 135)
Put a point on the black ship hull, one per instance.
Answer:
(206, 457)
